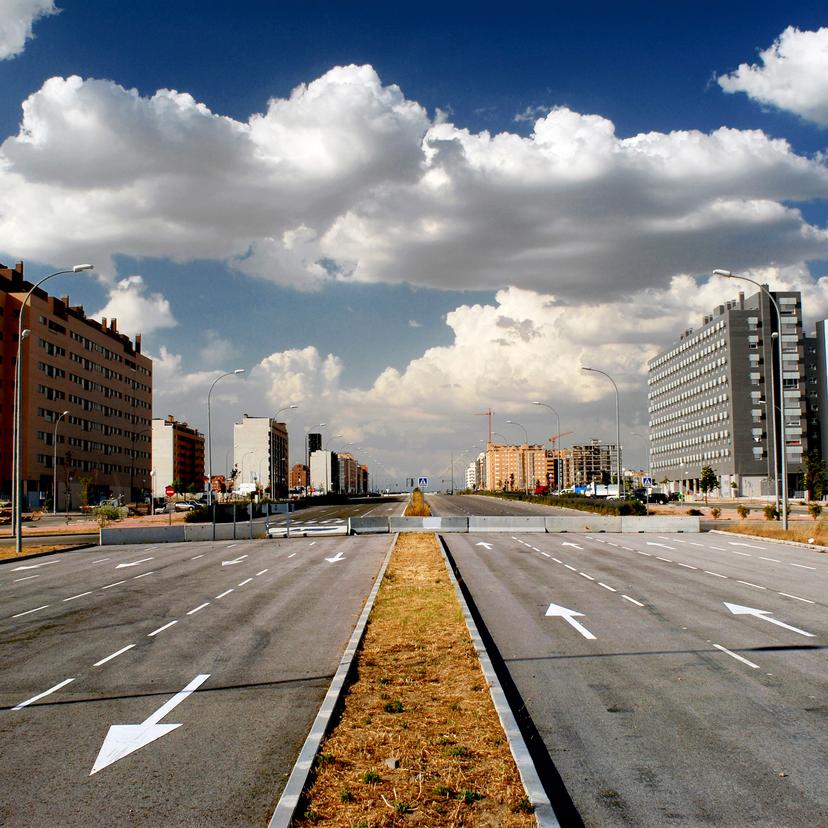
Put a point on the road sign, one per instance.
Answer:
(169, 491)
(647, 481)
(422, 482)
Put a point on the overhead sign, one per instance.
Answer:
(169, 491)
(422, 482)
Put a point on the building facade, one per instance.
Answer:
(593, 462)
(86, 401)
(516, 468)
(299, 477)
(324, 472)
(177, 455)
(348, 478)
(717, 397)
(260, 453)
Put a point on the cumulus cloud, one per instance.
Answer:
(136, 310)
(16, 20)
(792, 75)
(348, 180)
(531, 113)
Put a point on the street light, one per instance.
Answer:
(555, 441)
(54, 464)
(617, 423)
(17, 465)
(762, 289)
(209, 434)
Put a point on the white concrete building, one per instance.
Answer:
(324, 472)
(260, 452)
(471, 475)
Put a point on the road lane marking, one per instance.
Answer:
(666, 560)
(788, 595)
(109, 586)
(743, 554)
(612, 544)
(260, 573)
(43, 694)
(81, 595)
(291, 554)
(114, 655)
(570, 567)
(802, 566)
(100, 560)
(136, 577)
(545, 554)
(748, 583)
(245, 581)
(226, 592)
(607, 587)
(556, 560)
(133, 563)
(584, 575)
(718, 548)
(736, 656)
(748, 545)
(628, 548)
(632, 600)
(765, 615)
(687, 566)
(196, 557)
(693, 543)
(199, 607)
(647, 554)
(708, 572)
(235, 544)
(161, 629)
(774, 560)
(29, 612)
(27, 578)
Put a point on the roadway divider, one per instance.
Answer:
(496, 523)
(586, 523)
(368, 526)
(659, 523)
(302, 531)
(111, 535)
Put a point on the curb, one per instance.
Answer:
(811, 546)
(289, 800)
(544, 813)
(52, 552)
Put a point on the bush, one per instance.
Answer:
(771, 512)
(814, 510)
(695, 512)
(106, 513)
(742, 511)
(574, 501)
(200, 514)
(716, 512)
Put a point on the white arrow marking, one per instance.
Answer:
(133, 563)
(32, 566)
(737, 609)
(483, 544)
(567, 543)
(234, 561)
(121, 740)
(662, 545)
(338, 557)
(568, 615)
(748, 545)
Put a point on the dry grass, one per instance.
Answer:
(421, 699)
(417, 506)
(800, 531)
(7, 552)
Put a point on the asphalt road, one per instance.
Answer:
(656, 703)
(483, 505)
(234, 642)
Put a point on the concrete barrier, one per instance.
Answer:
(111, 535)
(446, 524)
(659, 523)
(587, 523)
(496, 523)
(408, 524)
(224, 531)
(302, 531)
(368, 526)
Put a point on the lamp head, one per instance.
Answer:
(79, 268)
(726, 273)
(239, 370)
(65, 413)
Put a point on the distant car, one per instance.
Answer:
(186, 505)
(659, 497)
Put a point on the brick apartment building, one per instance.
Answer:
(517, 468)
(83, 367)
(299, 476)
(177, 454)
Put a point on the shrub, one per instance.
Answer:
(417, 506)
(742, 511)
(106, 513)
(198, 515)
(771, 512)
(814, 510)
(716, 512)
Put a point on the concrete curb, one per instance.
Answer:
(42, 554)
(544, 813)
(810, 546)
(292, 793)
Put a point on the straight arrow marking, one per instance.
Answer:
(567, 543)
(737, 609)
(133, 563)
(338, 557)
(484, 545)
(662, 545)
(32, 566)
(568, 615)
(121, 740)
(234, 561)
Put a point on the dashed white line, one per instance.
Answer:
(612, 544)
(628, 548)
(556, 560)
(774, 560)
(708, 572)
(736, 656)
(199, 607)
(743, 554)
(588, 577)
(43, 694)
(231, 546)
(245, 581)
(545, 554)
(100, 560)
(151, 572)
(718, 548)
(291, 554)
(646, 554)
(570, 567)
(260, 573)
(666, 560)
(748, 583)
(802, 566)
(226, 592)
(632, 600)
(114, 655)
(195, 557)
(607, 587)
(27, 578)
(788, 595)
(687, 566)
(161, 629)
(80, 595)
(29, 612)
(109, 586)
(693, 543)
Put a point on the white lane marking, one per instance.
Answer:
(260, 573)
(545, 554)
(43, 694)
(199, 607)
(736, 656)
(612, 544)
(802, 566)
(291, 554)
(133, 563)
(196, 557)
(109, 586)
(312, 543)
(666, 560)
(632, 600)
(570, 567)
(677, 540)
(80, 595)
(788, 595)
(748, 545)
(226, 592)
(136, 577)
(708, 572)
(687, 566)
(765, 615)
(538, 550)
(693, 543)
(234, 561)
(245, 581)
(588, 577)
(114, 655)
(486, 546)
(773, 560)
(748, 583)
(27, 578)
(718, 548)
(556, 560)
(100, 560)
(628, 548)
(28, 612)
(647, 554)
(161, 629)
(600, 583)
(568, 615)
(743, 554)
(235, 544)
(32, 566)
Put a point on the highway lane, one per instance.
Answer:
(121, 634)
(657, 704)
(484, 505)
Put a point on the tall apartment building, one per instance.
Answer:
(348, 482)
(717, 395)
(516, 468)
(260, 452)
(471, 476)
(177, 454)
(83, 367)
(364, 478)
(324, 471)
(593, 462)
(313, 442)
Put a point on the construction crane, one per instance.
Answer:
(489, 413)
(555, 437)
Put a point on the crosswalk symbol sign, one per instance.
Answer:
(422, 482)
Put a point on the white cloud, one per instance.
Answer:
(531, 114)
(135, 310)
(347, 180)
(16, 20)
(793, 75)
(413, 323)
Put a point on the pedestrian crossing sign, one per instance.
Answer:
(422, 482)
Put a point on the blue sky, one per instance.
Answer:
(381, 266)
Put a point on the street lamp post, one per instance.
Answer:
(17, 465)
(209, 434)
(617, 424)
(555, 443)
(54, 464)
(523, 455)
(762, 289)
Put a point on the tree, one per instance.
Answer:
(708, 481)
(814, 476)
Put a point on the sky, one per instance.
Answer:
(398, 218)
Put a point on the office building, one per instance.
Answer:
(83, 367)
(177, 455)
(717, 395)
(260, 452)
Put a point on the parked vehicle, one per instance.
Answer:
(186, 505)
